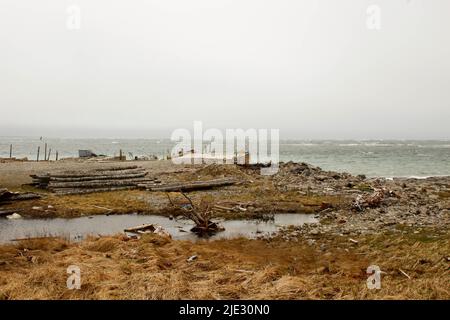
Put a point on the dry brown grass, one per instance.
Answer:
(156, 268)
(123, 202)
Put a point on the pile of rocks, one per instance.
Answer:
(377, 204)
(308, 179)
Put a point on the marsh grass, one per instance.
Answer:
(333, 268)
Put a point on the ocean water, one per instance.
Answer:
(374, 158)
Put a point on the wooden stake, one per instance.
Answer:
(48, 156)
(120, 157)
(10, 150)
(56, 155)
(45, 151)
(37, 159)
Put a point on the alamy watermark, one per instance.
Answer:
(74, 280)
(235, 146)
(374, 279)
(73, 21)
(373, 20)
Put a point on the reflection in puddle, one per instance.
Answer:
(78, 228)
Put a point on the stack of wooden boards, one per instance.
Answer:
(95, 180)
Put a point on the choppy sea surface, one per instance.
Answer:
(383, 158)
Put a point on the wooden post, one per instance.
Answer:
(120, 155)
(10, 151)
(37, 159)
(48, 156)
(56, 155)
(45, 151)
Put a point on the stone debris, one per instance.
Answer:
(376, 203)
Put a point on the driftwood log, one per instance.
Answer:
(144, 227)
(190, 186)
(89, 175)
(8, 196)
(117, 168)
(201, 215)
(63, 192)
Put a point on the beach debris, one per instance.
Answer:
(233, 206)
(145, 158)
(190, 186)
(353, 241)
(201, 215)
(102, 208)
(14, 216)
(404, 273)
(162, 232)
(96, 180)
(149, 228)
(373, 200)
(86, 154)
(4, 213)
(141, 228)
(8, 196)
(192, 258)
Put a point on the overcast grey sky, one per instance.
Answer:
(310, 68)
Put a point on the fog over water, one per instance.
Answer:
(140, 69)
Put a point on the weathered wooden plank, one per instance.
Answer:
(195, 185)
(84, 174)
(97, 183)
(106, 177)
(62, 192)
(117, 168)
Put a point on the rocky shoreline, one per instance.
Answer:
(377, 204)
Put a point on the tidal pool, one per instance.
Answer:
(78, 228)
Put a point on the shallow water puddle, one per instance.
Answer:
(79, 228)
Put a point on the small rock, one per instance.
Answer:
(14, 216)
